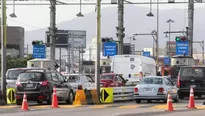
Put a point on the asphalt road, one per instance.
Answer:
(117, 109)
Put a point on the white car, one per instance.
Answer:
(155, 88)
(80, 81)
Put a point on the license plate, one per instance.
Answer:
(29, 85)
(193, 86)
(148, 89)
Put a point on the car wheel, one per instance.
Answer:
(149, 101)
(138, 101)
(70, 98)
(40, 102)
(177, 98)
(49, 101)
(18, 102)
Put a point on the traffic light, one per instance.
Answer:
(181, 38)
(106, 39)
(37, 42)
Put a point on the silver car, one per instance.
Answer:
(155, 88)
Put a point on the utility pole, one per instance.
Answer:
(120, 29)
(97, 61)
(60, 59)
(82, 59)
(3, 49)
(79, 64)
(52, 29)
(190, 25)
(157, 35)
(72, 52)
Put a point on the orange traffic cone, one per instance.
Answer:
(169, 103)
(25, 103)
(191, 99)
(55, 99)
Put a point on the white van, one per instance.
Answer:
(130, 66)
(42, 63)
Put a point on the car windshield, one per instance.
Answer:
(192, 72)
(106, 77)
(13, 74)
(151, 81)
(30, 76)
(73, 79)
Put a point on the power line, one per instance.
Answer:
(23, 23)
(64, 4)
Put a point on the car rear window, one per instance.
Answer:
(73, 79)
(151, 81)
(106, 77)
(31, 76)
(13, 74)
(192, 72)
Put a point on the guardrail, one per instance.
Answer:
(123, 93)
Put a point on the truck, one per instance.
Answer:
(42, 63)
(131, 66)
(177, 62)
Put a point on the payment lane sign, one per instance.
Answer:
(110, 49)
(39, 51)
(146, 54)
(182, 48)
(166, 61)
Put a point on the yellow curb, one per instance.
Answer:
(69, 106)
(100, 106)
(160, 106)
(129, 106)
(7, 106)
(43, 106)
(200, 107)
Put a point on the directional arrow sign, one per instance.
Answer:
(106, 95)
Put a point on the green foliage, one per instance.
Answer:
(12, 62)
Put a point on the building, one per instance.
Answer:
(15, 41)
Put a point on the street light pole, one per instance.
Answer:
(3, 49)
(157, 34)
(169, 21)
(97, 61)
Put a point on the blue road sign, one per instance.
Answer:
(110, 49)
(166, 61)
(182, 48)
(146, 54)
(39, 51)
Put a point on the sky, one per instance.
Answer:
(33, 17)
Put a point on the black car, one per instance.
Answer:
(38, 86)
(191, 76)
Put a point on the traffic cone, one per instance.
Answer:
(54, 99)
(25, 103)
(169, 103)
(191, 99)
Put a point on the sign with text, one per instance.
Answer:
(182, 48)
(110, 49)
(39, 51)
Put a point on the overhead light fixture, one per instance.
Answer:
(150, 14)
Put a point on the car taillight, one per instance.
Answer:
(18, 83)
(80, 87)
(44, 83)
(178, 81)
(161, 90)
(135, 90)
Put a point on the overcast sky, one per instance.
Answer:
(33, 17)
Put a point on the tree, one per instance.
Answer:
(13, 62)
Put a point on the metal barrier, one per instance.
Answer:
(123, 93)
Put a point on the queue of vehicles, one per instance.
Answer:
(39, 78)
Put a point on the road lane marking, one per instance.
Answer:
(100, 106)
(129, 106)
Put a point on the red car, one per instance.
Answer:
(112, 80)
